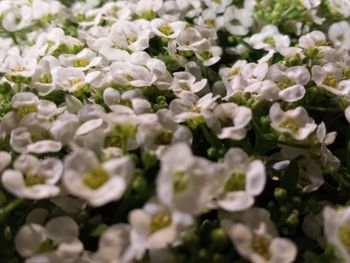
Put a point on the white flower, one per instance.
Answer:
(57, 242)
(42, 78)
(340, 6)
(189, 39)
(33, 178)
(289, 81)
(64, 127)
(229, 121)
(255, 237)
(163, 131)
(339, 34)
(208, 54)
(337, 230)
(186, 81)
(95, 182)
(312, 40)
(17, 18)
(16, 66)
(190, 106)
(126, 73)
(167, 29)
(129, 35)
(187, 183)
(84, 59)
(113, 244)
(329, 77)
(308, 4)
(269, 38)
(218, 6)
(156, 227)
(295, 122)
(245, 179)
(238, 21)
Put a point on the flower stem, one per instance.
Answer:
(9, 207)
(212, 139)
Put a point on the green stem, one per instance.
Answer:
(212, 139)
(11, 206)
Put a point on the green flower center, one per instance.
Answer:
(210, 22)
(290, 123)
(180, 181)
(164, 137)
(331, 81)
(18, 69)
(131, 40)
(81, 62)
(236, 182)
(285, 83)
(159, 221)
(344, 236)
(27, 109)
(270, 41)
(45, 78)
(234, 71)
(206, 55)
(31, 179)
(166, 29)
(260, 245)
(95, 177)
(75, 81)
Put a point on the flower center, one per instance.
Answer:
(344, 236)
(31, 179)
(131, 40)
(81, 62)
(166, 29)
(270, 41)
(285, 83)
(234, 71)
(210, 22)
(260, 245)
(18, 69)
(95, 177)
(236, 182)
(164, 137)
(45, 78)
(290, 123)
(180, 181)
(159, 221)
(75, 81)
(27, 109)
(206, 55)
(331, 81)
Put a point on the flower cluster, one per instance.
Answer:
(174, 131)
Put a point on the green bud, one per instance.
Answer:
(149, 160)
(280, 194)
(139, 184)
(212, 153)
(219, 238)
(292, 219)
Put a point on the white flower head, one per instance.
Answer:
(255, 238)
(295, 122)
(245, 179)
(166, 29)
(229, 121)
(337, 230)
(33, 178)
(187, 183)
(289, 81)
(269, 38)
(56, 242)
(95, 182)
(238, 21)
(338, 33)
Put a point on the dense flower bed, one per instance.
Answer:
(174, 131)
